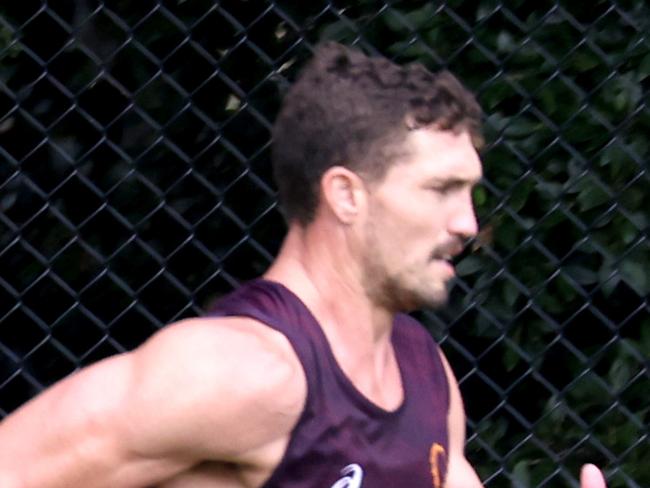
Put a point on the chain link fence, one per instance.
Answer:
(135, 189)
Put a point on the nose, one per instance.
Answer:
(462, 221)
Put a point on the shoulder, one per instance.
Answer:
(411, 328)
(221, 341)
(411, 334)
(456, 416)
(229, 353)
(460, 473)
(227, 385)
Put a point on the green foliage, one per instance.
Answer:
(135, 170)
(560, 280)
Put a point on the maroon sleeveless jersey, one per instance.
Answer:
(343, 440)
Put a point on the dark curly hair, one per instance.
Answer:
(353, 110)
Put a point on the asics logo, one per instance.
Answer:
(352, 477)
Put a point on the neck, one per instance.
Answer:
(317, 265)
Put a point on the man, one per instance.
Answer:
(311, 376)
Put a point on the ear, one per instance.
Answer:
(343, 192)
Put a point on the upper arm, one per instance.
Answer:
(223, 391)
(456, 414)
(197, 390)
(460, 473)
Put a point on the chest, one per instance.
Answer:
(338, 447)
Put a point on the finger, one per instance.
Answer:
(591, 477)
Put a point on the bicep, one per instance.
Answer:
(208, 392)
(135, 419)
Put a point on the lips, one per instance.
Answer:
(448, 251)
(446, 266)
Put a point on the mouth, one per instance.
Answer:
(447, 253)
(445, 264)
(446, 256)
(449, 263)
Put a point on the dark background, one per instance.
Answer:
(135, 189)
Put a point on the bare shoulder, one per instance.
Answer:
(456, 416)
(239, 345)
(227, 386)
(460, 473)
(199, 390)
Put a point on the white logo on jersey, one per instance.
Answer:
(352, 477)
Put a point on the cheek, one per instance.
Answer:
(412, 222)
(423, 220)
(409, 239)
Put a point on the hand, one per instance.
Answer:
(591, 477)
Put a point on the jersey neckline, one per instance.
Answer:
(345, 382)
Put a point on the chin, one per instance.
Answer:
(412, 300)
(399, 295)
(436, 297)
(438, 300)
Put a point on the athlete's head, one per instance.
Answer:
(356, 111)
(389, 153)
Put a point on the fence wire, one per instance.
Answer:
(135, 188)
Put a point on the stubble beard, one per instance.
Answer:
(403, 290)
(407, 297)
(407, 288)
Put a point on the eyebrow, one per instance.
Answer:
(455, 181)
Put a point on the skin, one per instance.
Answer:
(169, 415)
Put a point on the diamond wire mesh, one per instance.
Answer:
(135, 188)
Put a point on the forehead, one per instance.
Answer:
(431, 153)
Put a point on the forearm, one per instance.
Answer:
(53, 441)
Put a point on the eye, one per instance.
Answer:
(442, 190)
(447, 188)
